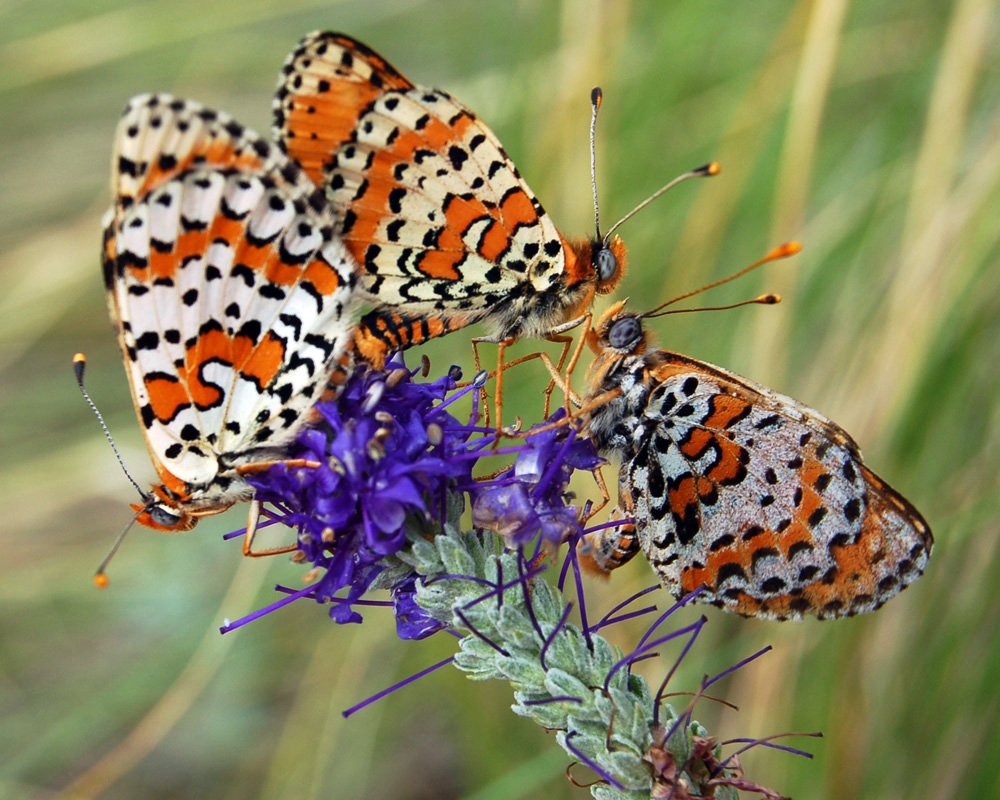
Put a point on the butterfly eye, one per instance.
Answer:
(164, 517)
(624, 333)
(607, 265)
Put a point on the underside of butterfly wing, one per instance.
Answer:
(445, 228)
(231, 295)
(757, 498)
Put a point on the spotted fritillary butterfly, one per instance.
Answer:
(745, 493)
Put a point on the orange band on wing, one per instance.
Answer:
(441, 264)
(726, 409)
(212, 152)
(322, 276)
(730, 465)
(167, 397)
(494, 242)
(517, 209)
(192, 243)
(267, 358)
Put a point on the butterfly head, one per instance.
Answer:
(608, 260)
(618, 333)
(162, 512)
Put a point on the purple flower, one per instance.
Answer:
(385, 451)
(532, 497)
(390, 457)
(412, 622)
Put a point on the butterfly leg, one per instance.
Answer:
(555, 335)
(582, 408)
(253, 518)
(566, 342)
(483, 394)
(605, 496)
(502, 345)
(611, 547)
(262, 466)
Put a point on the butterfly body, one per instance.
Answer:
(761, 501)
(445, 229)
(230, 294)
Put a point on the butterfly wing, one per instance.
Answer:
(763, 501)
(230, 294)
(431, 206)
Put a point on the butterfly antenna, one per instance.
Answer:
(596, 95)
(782, 251)
(100, 577)
(763, 300)
(707, 171)
(79, 365)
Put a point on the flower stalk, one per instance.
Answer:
(605, 717)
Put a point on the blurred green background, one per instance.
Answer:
(869, 131)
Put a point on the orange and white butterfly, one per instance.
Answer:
(231, 296)
(430, 205)
(732, 487)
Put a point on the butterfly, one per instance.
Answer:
(728, 487)
(231, 296)
(428, 202)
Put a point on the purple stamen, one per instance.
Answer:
(768, 743)
(581, 597)
(630, 615)
(606, 620)
(394, 687)
(614, 523)
(604, 775)
(475, 455)
(735, 667)
(564, 698)
(555, 466)
(472, 629)
(682, 602)
(284, 601)
(673, 669)
(694, 627)
(457, 393)
(551, 637)
(241, 532)
(381, 603)
(574, 540)
(528, 605)
(505, 586)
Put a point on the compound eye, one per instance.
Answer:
(624, 333)
(607, 265)
(164, 517)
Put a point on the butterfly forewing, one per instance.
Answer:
(231, 294)
(326, 82)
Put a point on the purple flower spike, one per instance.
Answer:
(392, 458)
